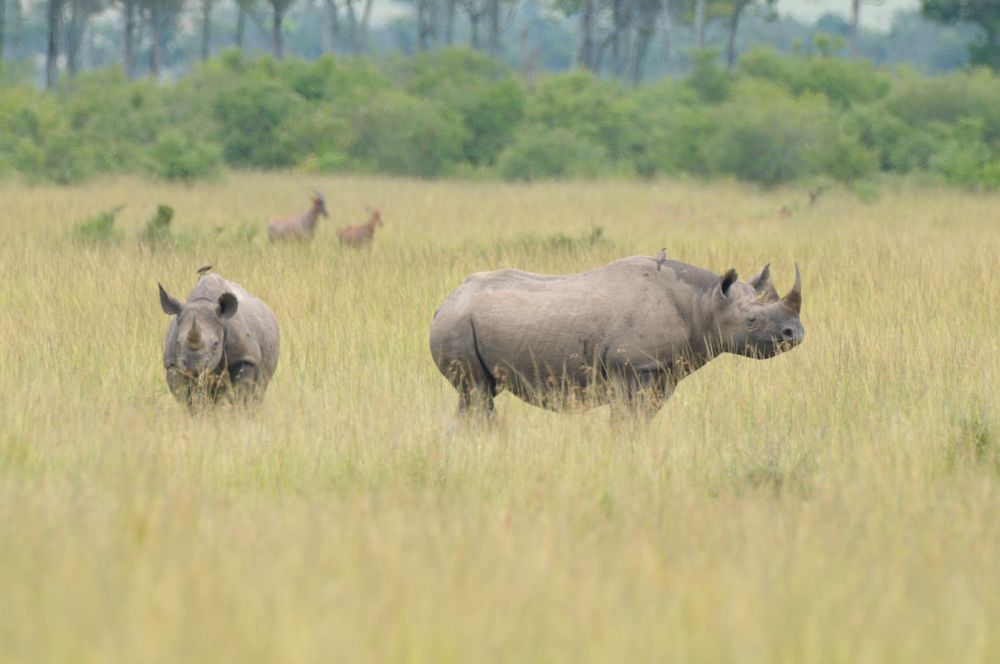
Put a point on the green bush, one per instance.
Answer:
(766, 136)
(176, 157)
(593, 109)
(252, 116)
(98, 229)
(538, 153)
(402, 135)
(485, 93)
(157, 228)
(775, 119)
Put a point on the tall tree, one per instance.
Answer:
(206, 28)
(17, 29)
(475, 10)
(855, 23)
(983, 13)
(161, 18)
(333, 21)
(427, 22)
(586, 53)
(493, 13)
(357, 25)
(245, 8)
(647, 12)
(3, 25)
(278, 10)
(79, 15)
(699, 24)
(53, 22)
(450, 9)
(130, 14)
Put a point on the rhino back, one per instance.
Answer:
(537, 325)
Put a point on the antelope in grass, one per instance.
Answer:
(301, 226)
(361, 236)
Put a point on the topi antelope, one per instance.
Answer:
(301, 226)
(361, 236)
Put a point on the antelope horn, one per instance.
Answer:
(194, 336)
(793, 299)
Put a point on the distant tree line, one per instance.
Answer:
(456, 112)
(618, 38)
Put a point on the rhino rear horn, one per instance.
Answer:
(793, 299)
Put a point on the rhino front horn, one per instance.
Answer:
(793, 299)
(194, 336)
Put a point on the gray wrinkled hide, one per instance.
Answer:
(624, 334)
(239, 354)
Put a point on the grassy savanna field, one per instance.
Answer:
(838, 503)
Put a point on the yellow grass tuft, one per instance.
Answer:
(838, 503)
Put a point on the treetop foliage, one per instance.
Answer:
(774, 119)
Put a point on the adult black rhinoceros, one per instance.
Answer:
(623, 334)
(223, 342)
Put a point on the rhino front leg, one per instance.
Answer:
(246, 382)
(641, 397)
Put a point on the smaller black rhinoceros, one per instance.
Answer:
(624, 334)
(222, 343)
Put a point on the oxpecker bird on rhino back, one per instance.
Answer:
(624, 334)
(222, 343)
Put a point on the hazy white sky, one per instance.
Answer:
(874, 13)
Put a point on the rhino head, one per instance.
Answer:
(199, 339)
(752, 319)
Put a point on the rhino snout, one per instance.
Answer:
(792, 334)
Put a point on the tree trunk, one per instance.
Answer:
(3, 25)
(366, 20)
(277, 36)
(425, 23)
(352, 26)
(241, 25)
(333, 15)
(156, 47)
(74, 36)
(734, 26)
(528, 59)
(17, 27)
(493, 45)
(449, 24)
(206, 29)
(668, 33)
(53, 20)
(474, 31)
(128, 11)
(699, 24)
(642, 41)
(585, 58)
(855, 18)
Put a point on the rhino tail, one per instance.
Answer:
(490, 378)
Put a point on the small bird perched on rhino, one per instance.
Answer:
(363, 234)
(623, 334)
(301, 226)
(222, 343)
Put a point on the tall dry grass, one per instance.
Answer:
(838, 503)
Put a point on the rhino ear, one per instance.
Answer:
(728, 279)
(228, 304)
(170, 304)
